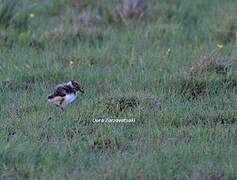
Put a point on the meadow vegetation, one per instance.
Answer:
(169, 64)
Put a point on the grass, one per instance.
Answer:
(135, 61)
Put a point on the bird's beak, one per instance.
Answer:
(81, 90)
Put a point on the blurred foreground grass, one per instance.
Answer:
(168, 64)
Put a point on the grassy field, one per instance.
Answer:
(168, 64)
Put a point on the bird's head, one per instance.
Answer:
(76, 86)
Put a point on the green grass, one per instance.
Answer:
(185, 122)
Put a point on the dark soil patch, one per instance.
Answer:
(10, 132)
(106, 143)
(210, 63)
(218, 118)
(121, 104)
(192, 88)
(208, 75)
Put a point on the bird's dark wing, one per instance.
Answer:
(59, 91)
(68, 89)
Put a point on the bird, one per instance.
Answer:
(65, 93)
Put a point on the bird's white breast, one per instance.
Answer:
(69, 98)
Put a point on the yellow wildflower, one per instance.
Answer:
(220, 46)
(28, 66)
(71, 62)
(32, 15)
(168, 51)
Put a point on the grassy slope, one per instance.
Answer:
(184, 139)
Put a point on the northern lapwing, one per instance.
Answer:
(65, 93)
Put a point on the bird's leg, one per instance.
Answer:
(61, 105)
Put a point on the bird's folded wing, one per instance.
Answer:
(58, 95)
(59, 91)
